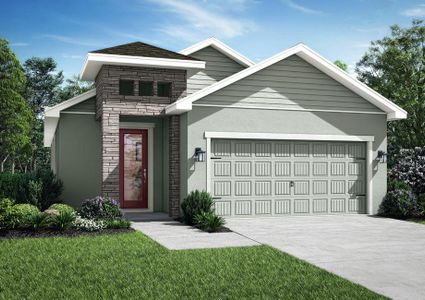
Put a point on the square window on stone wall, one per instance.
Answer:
(164, 89)
(126, 87)
(145, 88)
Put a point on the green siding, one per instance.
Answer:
(218, 66)
(78, 157)
(290, 84)
(85, 106)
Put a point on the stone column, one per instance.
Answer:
(110, 154)
(174, 165)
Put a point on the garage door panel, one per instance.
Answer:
(250, 178)
(282, 168)
(263, 207)
(243, 207)
(282, 149)
(301, 206)
(282, 206)
(320, 206)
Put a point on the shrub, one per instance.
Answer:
(88, 224)
(39, 221)
(41, 188)
(194, 204)
(62, 207)
(100, 209)
(400, 204)
(118, 224)
(409, 167)
(63, 221)
(209, 221)
(21, 215)
(421, 204)
(395, 184)
(6, 205)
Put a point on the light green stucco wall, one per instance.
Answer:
(202, 119)
(78, 157)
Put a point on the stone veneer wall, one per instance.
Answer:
(110, 105)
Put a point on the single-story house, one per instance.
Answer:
(293, 134)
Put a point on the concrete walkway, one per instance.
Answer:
(176, 236)
(384, 255)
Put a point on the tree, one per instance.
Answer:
(74, 87)
(395, 67)
(43, 83)
(342, 65)
(15, 114)
(42, 89)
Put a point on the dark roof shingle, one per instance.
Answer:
(142, 49)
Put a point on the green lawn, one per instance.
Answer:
(132, 266)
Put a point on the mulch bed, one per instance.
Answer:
(10, 234)
(221, 229)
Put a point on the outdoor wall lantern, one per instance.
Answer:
(199, 155)
(382, 156)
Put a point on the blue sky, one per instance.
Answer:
(67, 30)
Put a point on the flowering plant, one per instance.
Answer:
(100, 208)
(88, 224)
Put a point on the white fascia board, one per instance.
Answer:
(94, 62)
(292, 137)
(50, 124)
(393, 111)
(222, 48)
(54, 111)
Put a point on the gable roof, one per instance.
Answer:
(393, 111)
(143, 49)
(222, 48)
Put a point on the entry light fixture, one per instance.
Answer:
(199, 155)
(382, 156)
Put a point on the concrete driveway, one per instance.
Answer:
(384, 255)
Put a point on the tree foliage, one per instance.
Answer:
(15, 115)
(74, 87)
(394, 67)
(43, 83)
(342, 65)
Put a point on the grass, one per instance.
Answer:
(132, 266)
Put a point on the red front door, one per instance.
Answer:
(134, 168)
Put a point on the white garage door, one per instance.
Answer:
(257, 177)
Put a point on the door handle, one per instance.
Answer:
(291, 183)
(144, 175)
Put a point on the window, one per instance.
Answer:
(126, 87)
(164, 89)
(145, 88)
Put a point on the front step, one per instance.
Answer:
(146, 216)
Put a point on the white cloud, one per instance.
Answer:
(19, 44)
(72, 56)
(309, 11)
(418, 11)
(199, 17)
(72, 40)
